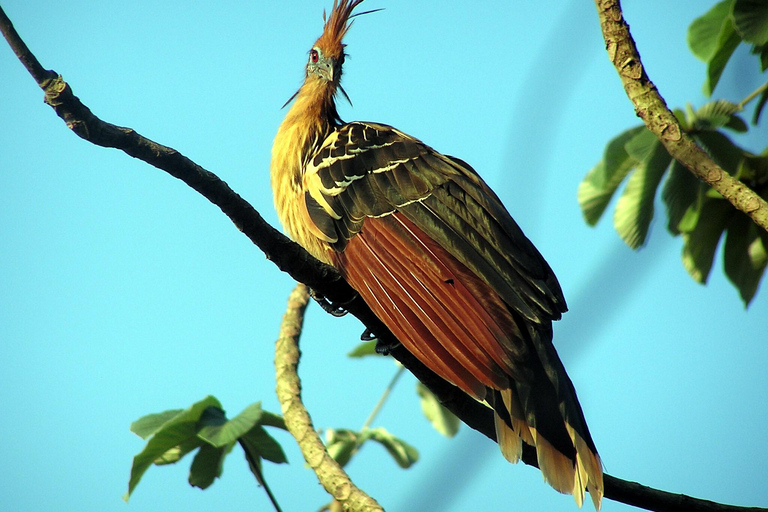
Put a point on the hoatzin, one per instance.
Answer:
(437, 257)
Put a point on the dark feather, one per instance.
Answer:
(439, 259)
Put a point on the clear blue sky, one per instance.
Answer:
(123, 292)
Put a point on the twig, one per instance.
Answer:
(757, 92)
(651, 108)
(332, 477)
(19, 47)
(383, 398)
(645, 497)
(294, 260)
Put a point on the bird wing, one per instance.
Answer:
(438, 258)
(433, 251)
(368, 170)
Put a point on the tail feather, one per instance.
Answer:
(517, 417)
(510, 443)
(589, 466)
(557, 469)
(544, 412)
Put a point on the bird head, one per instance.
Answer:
(326, 57)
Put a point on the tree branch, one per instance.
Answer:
(652, 109)
(294, 260)
(332, 477)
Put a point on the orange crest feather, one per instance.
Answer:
(336, 27)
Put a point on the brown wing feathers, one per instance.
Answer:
(435, 254)
(462, 347)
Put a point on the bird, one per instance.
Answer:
(438, 258)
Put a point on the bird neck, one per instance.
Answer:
(311, 118)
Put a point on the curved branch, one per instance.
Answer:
(294, 260)
(653, 110)
(332, 477)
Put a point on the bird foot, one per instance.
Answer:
(382, 347)
(329, 307)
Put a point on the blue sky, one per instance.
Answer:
(126, 293)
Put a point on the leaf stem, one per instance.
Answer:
(256, 470)
(383, 398)
(757, 92)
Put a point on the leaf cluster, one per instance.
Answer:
(203, 427)
(343, 444)
(694, 211)
(714, 36)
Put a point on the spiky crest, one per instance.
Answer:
(336, 26)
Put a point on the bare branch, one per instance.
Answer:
(294, 260)
(332, 477)
(651, 108)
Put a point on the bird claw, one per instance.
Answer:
(382, 347)
(328, 306)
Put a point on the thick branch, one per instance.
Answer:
(651, 108)
(291, 258)
(331, 476)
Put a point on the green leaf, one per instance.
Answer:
(729, 40)
(713, 38)
(151, 423)
(441, 418)
(594, 200)
(692, 214)
(681, 118)
(404, 454)
(178, 452)
(641, 145)
(258, 443)
(366, 348)
(173, 433)
(704, 32)
(722, 150)
(715, 114)
(736, 124)
(680, 194)
(615, 155)
(760, 104)
(744, 256)
(751, 20)
(601, 182)
(207, 465)
(270, 419)
(634, 210)
(700, 243)
(754, 169)
(218, 432)
(342, 444)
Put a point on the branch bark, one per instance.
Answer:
(653, 110)
(331, 476)
(294, 260)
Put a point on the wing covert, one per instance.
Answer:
(372, 170)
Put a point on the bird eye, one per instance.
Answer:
(313, 56)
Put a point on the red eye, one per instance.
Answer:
(313, 56)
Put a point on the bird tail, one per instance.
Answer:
(545, 413)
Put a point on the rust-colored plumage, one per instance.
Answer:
(438, 258)
(336, 26)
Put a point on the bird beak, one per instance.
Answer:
(326, 69)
